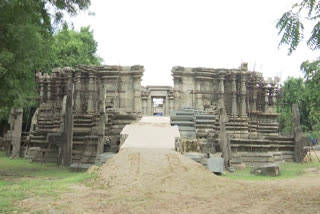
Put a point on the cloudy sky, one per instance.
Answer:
(192, 33)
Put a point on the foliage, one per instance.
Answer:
(71, 48)
(292, 92)
(24, 179)
(26, 30)
(291, 27)
(305, 94)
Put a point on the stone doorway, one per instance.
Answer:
(158, 104)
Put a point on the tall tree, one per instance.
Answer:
(26, 30)
(292, 92)
(291, 29)
(71, 48)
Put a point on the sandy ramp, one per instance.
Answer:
(151, 132)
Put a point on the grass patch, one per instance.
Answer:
(287, 170)
(20, 179)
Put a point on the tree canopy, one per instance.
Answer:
(291, 25)
(305, 91)
(71, 48)
(27, 30)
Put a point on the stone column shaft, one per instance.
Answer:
(137, 94)
(49, 90)
(266, 97)
(170, 104)
(68, 127)
(243, 97)
(199, 104)
(78, 91)
(254, 103)
(234, 96)
(102, 120)
(16, 132)
(221, 92)
(144, 105)
(91, 87)
(41, 91)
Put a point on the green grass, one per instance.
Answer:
(20, 179)
(287, 170)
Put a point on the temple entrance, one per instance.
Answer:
(158, 106)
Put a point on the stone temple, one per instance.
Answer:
(82, 112)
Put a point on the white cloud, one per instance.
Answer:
(208, 33)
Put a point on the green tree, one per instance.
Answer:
(26, 30)
(292, 92)
(291, 25)
(291, 29)
(71, 48)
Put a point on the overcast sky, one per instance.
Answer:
(192, 33)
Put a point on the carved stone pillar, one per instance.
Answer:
(48, 88)
(254, 98)
(199, 104)
(166, 106)
(102, 120)
(16, 132)
(91, 87)
(68, 127)
(234, 95)
(171, 102)
(221, 91)
(274, 95)
(150, 106)
(78, 92)
(266, 97)
(144, 105)
(137, 93)
(243, 112)
(41, 94)
(177, 95)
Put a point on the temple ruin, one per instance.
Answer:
(83, 110)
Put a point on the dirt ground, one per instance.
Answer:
(153, 181)
(149, 180)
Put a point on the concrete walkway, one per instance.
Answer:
(151, 132)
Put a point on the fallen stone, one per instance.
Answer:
(103, 158)
(239, 166)
(267, 170)
(80, 167)
(195, 156)
(317, 147)
(216, 165)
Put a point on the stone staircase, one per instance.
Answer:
(271, 149)
(38, 148)
(116, 122)
(84, 141)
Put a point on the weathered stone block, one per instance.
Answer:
(215, 165)
(268, 170)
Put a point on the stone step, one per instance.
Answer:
(91, 143)
(259, 141)
(124, 117)
(82, 116)
(182, 118)
(205, 117)
(262, 146)
(88, 137)
(183, 123)
(82, 121)
(82, 125)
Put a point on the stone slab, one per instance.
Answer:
(215, 164)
